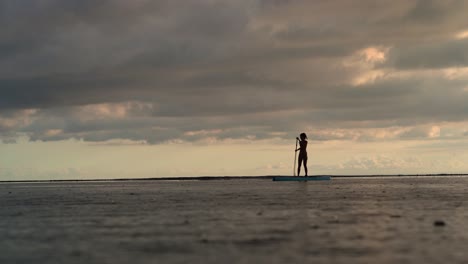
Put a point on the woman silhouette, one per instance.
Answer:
(302, 153)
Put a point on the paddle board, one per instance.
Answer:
(301, 178)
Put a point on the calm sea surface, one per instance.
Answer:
(356, 220)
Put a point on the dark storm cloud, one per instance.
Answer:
(451, 53)
(433, 11)
(56, 90)
(237, 69)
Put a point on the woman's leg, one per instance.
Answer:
(299, 165)
(305, 167)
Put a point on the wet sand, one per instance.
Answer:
(346, 220)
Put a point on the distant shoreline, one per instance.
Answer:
(205, 178)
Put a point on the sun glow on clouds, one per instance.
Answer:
(456, 73)
(434, 132)
(364, 62)
(203, 132)
(367, 77)
(19, 119)
(53, 132)
(112, 110)
(374, 54)
(462, 34)
(455, 130)
(367, 57)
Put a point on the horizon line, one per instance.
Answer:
(201, 178)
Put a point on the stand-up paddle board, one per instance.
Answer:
(301, 178)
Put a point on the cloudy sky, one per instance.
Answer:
(144, 88)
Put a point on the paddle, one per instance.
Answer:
(295, 154)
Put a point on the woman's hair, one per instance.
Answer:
(303, 136)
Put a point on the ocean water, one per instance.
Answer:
(345, 220)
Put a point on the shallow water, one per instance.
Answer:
(355, 220)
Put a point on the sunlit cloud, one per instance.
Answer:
(203, 132)
(367, 77)
(17, 119)
(113, 110)
(434, 132)
(363, 63)
(458, 73)
(375, 54)
(462, 34)
(53, 132)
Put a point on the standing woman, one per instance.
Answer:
(302, 153)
